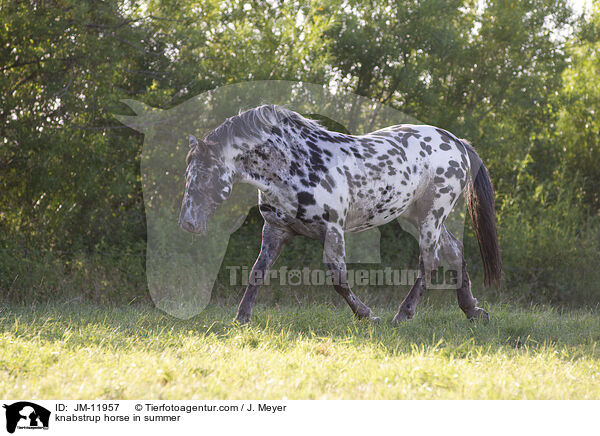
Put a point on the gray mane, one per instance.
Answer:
(255, 124)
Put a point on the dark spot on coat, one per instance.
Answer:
(306, 198)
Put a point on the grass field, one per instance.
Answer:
(297, 352)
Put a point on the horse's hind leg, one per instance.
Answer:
(273, 240)
(334, 257)
(453, 253)
(408, 306)
(466, 301)
(429, 230)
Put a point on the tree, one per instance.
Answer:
(578, 130)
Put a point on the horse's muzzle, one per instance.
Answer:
(198, 227)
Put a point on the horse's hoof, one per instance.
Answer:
(478, 314)
(368, 317)
(401, 316)
(241, 320)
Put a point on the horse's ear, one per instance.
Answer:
(193, 141)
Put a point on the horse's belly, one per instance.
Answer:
(385, 199)
(367, 216)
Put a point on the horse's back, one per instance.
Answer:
(402, 165)
(360, 182)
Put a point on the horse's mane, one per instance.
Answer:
(254, 124)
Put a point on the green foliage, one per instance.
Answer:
(34, 276)
(550, 247)
(518, 78)
(578, 130)
(70, 176)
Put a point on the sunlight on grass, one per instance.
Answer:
(296, 352)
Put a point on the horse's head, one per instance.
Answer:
(208, 184)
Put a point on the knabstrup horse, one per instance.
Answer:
(320, 184)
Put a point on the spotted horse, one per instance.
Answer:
(321, 184)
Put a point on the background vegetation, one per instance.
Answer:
(520, 79)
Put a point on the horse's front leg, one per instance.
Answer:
(273, 240)
(334, 257)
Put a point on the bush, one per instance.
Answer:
(36, 276)
(551, 249)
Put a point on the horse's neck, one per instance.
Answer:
(257, 164)
(246, 171)
(254, 179)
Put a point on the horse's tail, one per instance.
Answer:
(480, 201)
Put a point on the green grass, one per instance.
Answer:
(297, 352)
